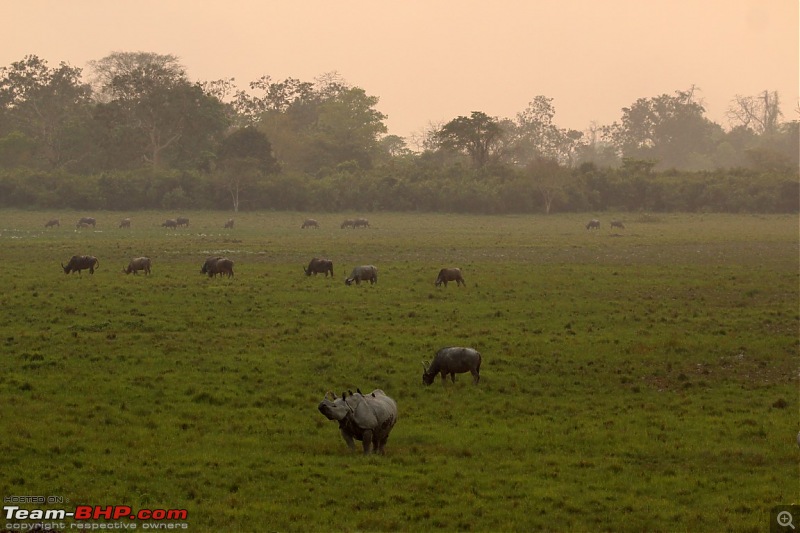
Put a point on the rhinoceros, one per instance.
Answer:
(453, 360)
(182, 221)
(361, 223)
(363, 273)
(229, 224)
(170, 223)
(450, 274)
(617, 224)
(137, 264)
(310, 223)
(125, 223)
(88, 221)
(81, 262)
(319, 266)
(53, 222)
(593, 224)
(349, 223)
(365, 417)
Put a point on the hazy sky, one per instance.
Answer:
(430, 61)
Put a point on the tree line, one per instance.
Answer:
(138, 134)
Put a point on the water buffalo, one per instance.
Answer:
(593, 224)
(182, 222)
(349, 223)
(89, 221)
(310, 223)
(81, 262)
(365, 417)
(453, 360)
(206, 268)
(363, 273)
(229, 224)
(617, 224)
(217, 265)
(361, 223)
(52, 222)
(125, 223)
(319, 266)
(450, 274)
(170, 223)
(137, 264)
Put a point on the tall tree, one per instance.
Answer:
(315, 126)
(244, 157)
(759, 113)
(154, 109)
(669, 129)
(126, 64)
(48, 105)
(349, 127)
(477, 135)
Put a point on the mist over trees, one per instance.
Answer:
(136, 133)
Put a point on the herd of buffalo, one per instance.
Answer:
(368, 418)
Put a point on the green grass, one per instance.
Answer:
(640, 379)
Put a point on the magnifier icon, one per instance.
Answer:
(785, 519)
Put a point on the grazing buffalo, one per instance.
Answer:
(310, 223)
(319, 266)
(137, 264)
(593, 224)
(365, 417)
(217, 265)
(361, 223)
(52, 222)
(206, 268)
(182, 222)
(170, 223)
(450, 274)
(349, 223)
(363, 273)
(453, 360)
(617, 224)
(89, 221)
(81, 262)
(229, 224)
(125, 223)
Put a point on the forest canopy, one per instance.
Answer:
(135, 132)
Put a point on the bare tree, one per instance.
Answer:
(759, 113)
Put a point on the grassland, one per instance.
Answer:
(640, 379)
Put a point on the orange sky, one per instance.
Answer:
(430, 61)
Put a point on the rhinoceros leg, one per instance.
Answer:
(475, 377)
(348, 438)
(367, 440)
(379, 446)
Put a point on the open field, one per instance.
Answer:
(636, 379)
